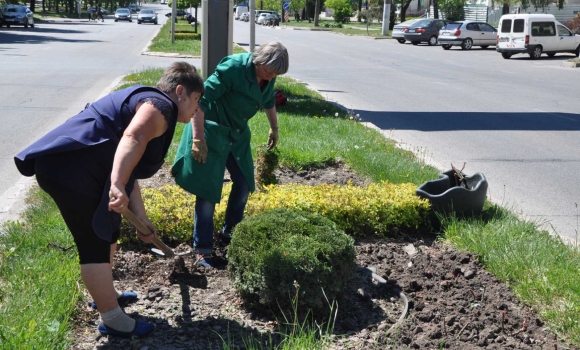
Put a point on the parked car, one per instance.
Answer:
(147, 16)
(123, 14)
(179, 13)
(260, 19)
(272, 20)
(399, 30)
(467, 34)
(425, 30)
(16, 15)
(134, 8)
(91, 10)
(245, 17)
(535, 34)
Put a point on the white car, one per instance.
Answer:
(260, 19)
(467, 34)
(399, 30)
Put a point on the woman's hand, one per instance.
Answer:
(273, 138)
(199, 150)
(119, 201)
(147, 237)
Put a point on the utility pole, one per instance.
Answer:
(253, 24)
(173, 19)
(386, 17)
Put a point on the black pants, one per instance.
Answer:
(77, 210)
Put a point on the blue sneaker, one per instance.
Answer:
(205, 260)
(124, 298)
(141, 329)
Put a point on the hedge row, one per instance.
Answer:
(359, 211)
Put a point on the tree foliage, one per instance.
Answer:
(184, 4)
(342, 9)
(453, 9)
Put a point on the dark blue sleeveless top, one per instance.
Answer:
(79, 153)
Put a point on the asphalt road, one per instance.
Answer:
(49, 73)
(517, 121)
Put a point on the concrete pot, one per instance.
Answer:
(445, 197)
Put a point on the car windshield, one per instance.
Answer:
(122, 11)
(147, 11)
(15, 9)
(422, 23)
(451, 26)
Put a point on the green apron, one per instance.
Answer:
(232, 97)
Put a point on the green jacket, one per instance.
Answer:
(232, 96)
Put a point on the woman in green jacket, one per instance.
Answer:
(218, 138)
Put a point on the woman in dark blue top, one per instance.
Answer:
(89, 166)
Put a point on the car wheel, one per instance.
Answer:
(432, 41)
(551, 54)
(577, 53)
(138, 22)
(415, 42)
(401, 41)
(32, 25)
(446, 47)
(536, 53)
(116, 20)
(467, 44)
(130, 21)
(26, 24)
(484, 47)
(155, 22)
(506, 55)
(8, 26)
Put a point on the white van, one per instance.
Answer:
(239, 10)
(534, 34)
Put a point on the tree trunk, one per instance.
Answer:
(505, 9)
(195, 27)
(435, 9)
(32, 5)
(316, 12)
(359, 10)
(404, 11)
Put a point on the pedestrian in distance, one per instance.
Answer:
(241, 85)
(90, 165)
(99, 13)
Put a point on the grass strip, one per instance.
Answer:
(162, 42)
(39, 282)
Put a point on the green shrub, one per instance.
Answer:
(360, 211)
(276, 253)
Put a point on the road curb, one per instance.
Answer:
(167, 54)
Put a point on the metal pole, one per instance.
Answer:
(386, 18)
(252, 24)
(173, 19)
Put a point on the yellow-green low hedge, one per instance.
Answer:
(359, 211)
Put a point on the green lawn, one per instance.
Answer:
(352, 28)
(162, 42)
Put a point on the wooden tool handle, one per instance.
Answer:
(144, 229)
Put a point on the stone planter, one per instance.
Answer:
(445, 197)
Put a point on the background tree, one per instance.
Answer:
(453, 9)
(185, 4)
(317, 8)
(342, 10)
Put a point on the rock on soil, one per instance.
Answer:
(453, 303)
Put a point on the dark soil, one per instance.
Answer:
(453, 302)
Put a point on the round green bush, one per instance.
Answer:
(277, 253)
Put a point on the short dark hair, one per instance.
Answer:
(181, 73)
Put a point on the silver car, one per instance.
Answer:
(467, 34)
(147, 16)
(399, 30)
